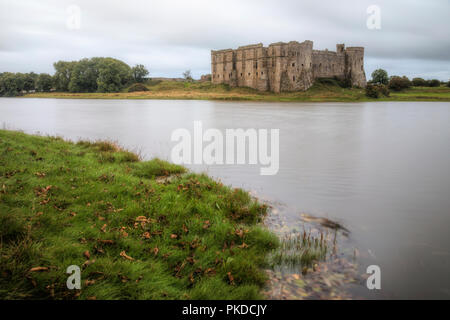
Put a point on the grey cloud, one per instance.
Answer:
(173, 35)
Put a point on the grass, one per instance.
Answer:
(134, 235)
(319, 92)
(300, 250)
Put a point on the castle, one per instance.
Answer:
(289, 66)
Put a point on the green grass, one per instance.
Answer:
(135, 234)
(321, 91)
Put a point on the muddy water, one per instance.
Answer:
(379, 169)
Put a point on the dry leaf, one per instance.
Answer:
(87, 254)
(124, 255)
(39, 269)
(146, 235)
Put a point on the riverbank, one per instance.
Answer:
(137, 229)
(206, 91)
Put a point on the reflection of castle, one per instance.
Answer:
(286, 66)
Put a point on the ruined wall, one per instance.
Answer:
(283, 66)
(354, 66)
(329, 64)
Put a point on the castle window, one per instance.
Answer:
(256, 65)
(262, 73)
(249, 73)
(293, 78)
(302, 64)
(241, 74)
(293, 64)
(257, 73)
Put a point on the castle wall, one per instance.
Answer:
(283, 66)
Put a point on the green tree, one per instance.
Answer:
(399, 83)
(419, 82)
(139, 73)
(63, 74)
(84, 76)
(10, 84)
(380, 76)
(113, 75)
(44, 82)
(434, 83)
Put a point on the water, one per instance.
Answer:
(381, 169)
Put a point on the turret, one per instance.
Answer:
(354, 66)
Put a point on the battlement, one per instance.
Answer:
(282, 66)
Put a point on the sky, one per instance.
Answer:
(404, 37)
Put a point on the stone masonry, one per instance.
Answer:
(283, 66)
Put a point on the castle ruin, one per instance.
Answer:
(289, 66)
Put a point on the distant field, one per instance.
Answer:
(207, 91)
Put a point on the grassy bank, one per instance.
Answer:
(206, 91)
(138, 230)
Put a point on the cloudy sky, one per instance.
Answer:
(171, 36)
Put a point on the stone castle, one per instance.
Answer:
(283, 66)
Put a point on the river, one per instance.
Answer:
(381, 169)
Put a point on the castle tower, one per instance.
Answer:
(354, 66)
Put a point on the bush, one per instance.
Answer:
(419, 82)
(448, 83)
(399, 83)
(376, 90)
(137, 87)
(372, 91)
(434, 83)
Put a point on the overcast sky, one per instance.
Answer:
(171, 36)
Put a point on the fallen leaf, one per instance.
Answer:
(87, 254)
(39, 269)
(146, 235)
(230, 278)
(124, 255)
(173, 236)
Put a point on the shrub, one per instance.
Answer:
(376, 90)
(448, 83)
(137, 87)
(399, 83)
(372, 91)
(419, 82)
(434, 83)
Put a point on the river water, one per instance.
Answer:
(380, 169)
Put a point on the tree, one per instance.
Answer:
(84, 76)
(113, 75)
(434, 83)
(63, 74)
(139, 73)
(9, 85)
(187, 75)
(99, 74)
(380, 76)
(44, 82)
(30, 81)
(419, 82)
(399, 83)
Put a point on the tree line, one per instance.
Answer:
(382, 83)
(86, 75)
